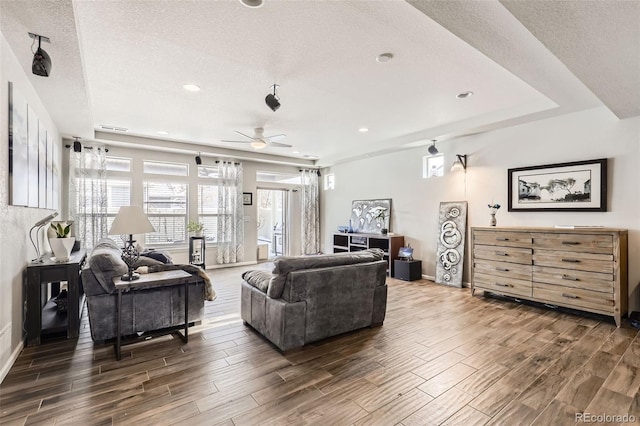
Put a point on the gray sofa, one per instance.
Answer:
(309, 298)
(143, 310)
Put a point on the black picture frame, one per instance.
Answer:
(247, 198)
(541, 188)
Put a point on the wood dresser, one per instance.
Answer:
(583, 269)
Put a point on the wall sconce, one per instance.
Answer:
(460, 163)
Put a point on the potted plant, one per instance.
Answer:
(195, 227)
(62, 244)
(380, 214)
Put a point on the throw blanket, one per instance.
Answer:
(209, 292)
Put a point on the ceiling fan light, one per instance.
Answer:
(259, 144)
(252, 3)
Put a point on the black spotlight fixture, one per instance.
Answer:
(77, 146)
(432, 149)
(41, 61)
(198, 159)
(272, 100)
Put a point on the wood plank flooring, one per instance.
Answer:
(441, 357)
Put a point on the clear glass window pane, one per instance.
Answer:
(169, 230)
(208, 172)
(432, 166)
(118, 195)
(165, 197)
(115, 164)
(207, 199)
(277, 177)
(172, 169)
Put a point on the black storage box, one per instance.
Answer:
(407, 270)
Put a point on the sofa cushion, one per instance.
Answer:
(106, 263)
(283, 265)
(258, 279)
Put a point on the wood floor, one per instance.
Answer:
(441, 357)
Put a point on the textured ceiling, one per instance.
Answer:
(123, 64)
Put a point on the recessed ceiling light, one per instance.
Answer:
(363, 130)
(252, 3)
(384, 57)
(464, 95)
(310, 156)
(296, 152)
(191, 87)
(162, 132)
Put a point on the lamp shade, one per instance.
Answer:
(131, 220)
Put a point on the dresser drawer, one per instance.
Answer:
(503, 239)
(574, 278)
(584, 243)
(503, 269)
(574, 297)
(574, 260)
(502, 285)
(503, 254)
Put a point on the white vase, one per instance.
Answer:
(61, 248)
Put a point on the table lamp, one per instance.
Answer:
(39, 224)
(130, 220)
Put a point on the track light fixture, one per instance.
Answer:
(272, 100)
(432, 149)
(460, 163)
(41, 61)
(77, 146)
(198, 159)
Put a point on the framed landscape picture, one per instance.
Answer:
(575, 186)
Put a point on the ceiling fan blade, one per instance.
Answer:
(279, 145)
(236, 141)
(246, 136)
(276, 138)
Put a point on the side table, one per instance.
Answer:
(41, 320)
(407, 270)
(147, 281)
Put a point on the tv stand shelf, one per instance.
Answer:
(389, 244)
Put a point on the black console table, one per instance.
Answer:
(42, 317)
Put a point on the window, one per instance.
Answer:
(118, 195)
(278, 177)
(208, 210)
(171, 169)
(208, 172)
(116, 164)
(166, 206)
(329, 181)
(432, 166)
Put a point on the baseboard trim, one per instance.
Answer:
(12, 359)
(432, 278)
(232, 265)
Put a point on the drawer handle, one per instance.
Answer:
(569, 278)
(569, 296)
(502, 269)
(503, 285)
(571, 243)
(501, 253)
(501, 239)
(571, 260)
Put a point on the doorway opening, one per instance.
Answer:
(278, 234)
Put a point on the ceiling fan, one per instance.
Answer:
(259, 140)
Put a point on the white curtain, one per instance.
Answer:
(309, 200)
(230, 235)
(88, 194)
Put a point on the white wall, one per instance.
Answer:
(15, 222)
(585, 135)
(180, 255)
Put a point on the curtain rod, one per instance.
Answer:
(310, 170)
(227, 162)
(89, 147)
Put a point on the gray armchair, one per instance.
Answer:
(142, 310)
(310, 298)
